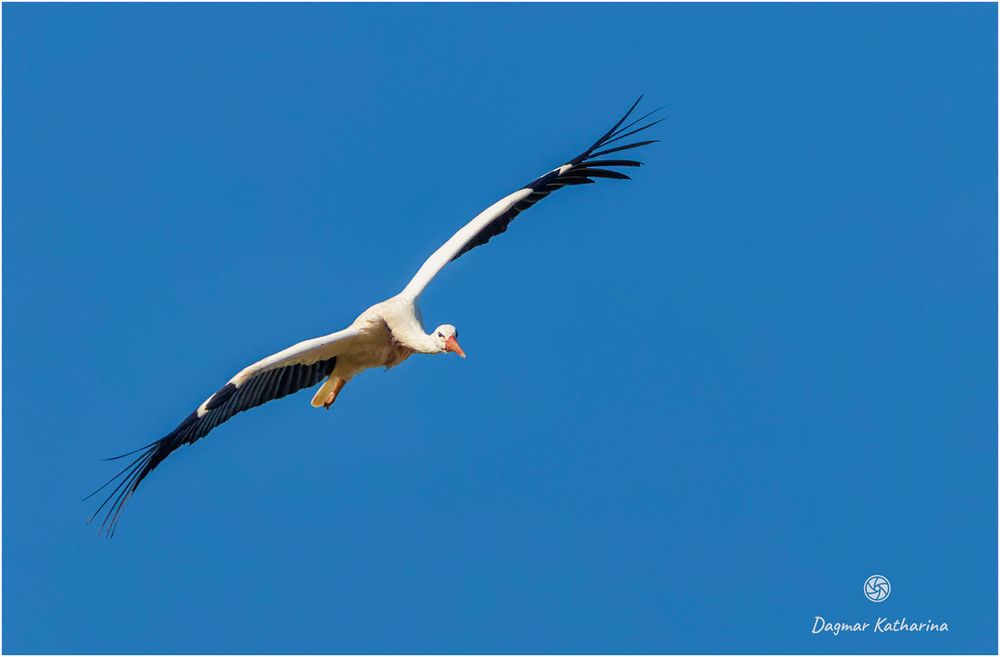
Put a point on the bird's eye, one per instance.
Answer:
(440, 335)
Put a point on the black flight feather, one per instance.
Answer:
(224, 404)
(582, 169)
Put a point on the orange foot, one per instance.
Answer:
(327, 393)
(332, 397)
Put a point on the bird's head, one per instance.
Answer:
(445, 339)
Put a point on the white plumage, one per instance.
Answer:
(384, 335)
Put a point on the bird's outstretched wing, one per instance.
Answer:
(300, 366)
(581, 170)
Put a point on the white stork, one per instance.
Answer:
(383, 336)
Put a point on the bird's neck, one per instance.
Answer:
(423, 343)
(412, 336)
(404, 320)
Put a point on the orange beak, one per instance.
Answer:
(451, 344)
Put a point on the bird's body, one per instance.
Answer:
(384, 335)
(382, 340)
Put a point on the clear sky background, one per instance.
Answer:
(699, 408)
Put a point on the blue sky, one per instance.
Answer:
(699, 408)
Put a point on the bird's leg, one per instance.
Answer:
(327, 394)
(333, 395)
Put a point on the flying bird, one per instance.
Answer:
(382, 336)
